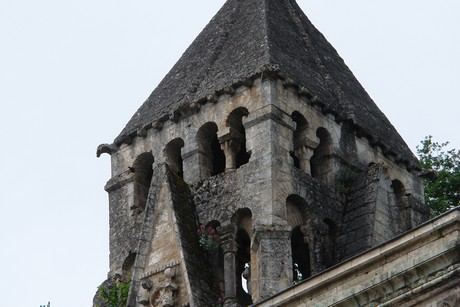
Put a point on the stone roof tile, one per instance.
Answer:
(242, 40)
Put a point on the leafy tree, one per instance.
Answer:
(442, 193)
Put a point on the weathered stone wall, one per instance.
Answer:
(418, 268)
(308, 171)
(124, 226)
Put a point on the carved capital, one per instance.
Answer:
(228, 245)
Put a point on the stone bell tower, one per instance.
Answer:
(261, 133)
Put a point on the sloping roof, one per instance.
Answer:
(170, 190)
(247, 37)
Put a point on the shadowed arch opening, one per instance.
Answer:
(128, 264)
(237, 138)
(300, 255)
(296, 208)
(211, 157)
(320, 162)
(403, 216)
(173, 156)
(299, 138)
(243, 258)
(243, 221)
(143, 172)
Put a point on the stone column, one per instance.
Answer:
(230, 143)
(304, 153)
(231, 148)
(229, 250)
(273, 262)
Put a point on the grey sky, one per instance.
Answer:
(72, 73)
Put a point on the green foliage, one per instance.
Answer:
(345, 180)
(443, 193)
(115, 295)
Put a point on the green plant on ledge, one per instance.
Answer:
(116, 294)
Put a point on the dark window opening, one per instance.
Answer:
(211, 157)
(242, 157)
(300, 255)
(218, 161)
(243, 258)
(299, 138)
(173, 156)
(143, 173)
(321, 160)
(238, 134)
(403, 217)
(128, 264)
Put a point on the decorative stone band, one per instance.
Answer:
(160, 268)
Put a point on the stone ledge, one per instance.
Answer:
(377, 258)
(160, 268)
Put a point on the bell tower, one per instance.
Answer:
(257, 162)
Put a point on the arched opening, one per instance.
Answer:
(321, 160)
(300, 255)
(236, 140)
(211, 156)
(128, 264)
(296, 208)
(243, 259)
(243, 222)
(403, 216)
(299, 138)
(347, 139)
(173, 156)
(143, 172)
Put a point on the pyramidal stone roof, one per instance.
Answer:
(249, 37)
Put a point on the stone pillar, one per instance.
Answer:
(191, 165)
(304, 153)
(272, 268)
(229, 250)
(231, 148)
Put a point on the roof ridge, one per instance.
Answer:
(265, 29)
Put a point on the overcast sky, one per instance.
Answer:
(73, 72)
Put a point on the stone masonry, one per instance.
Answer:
(261, 133)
